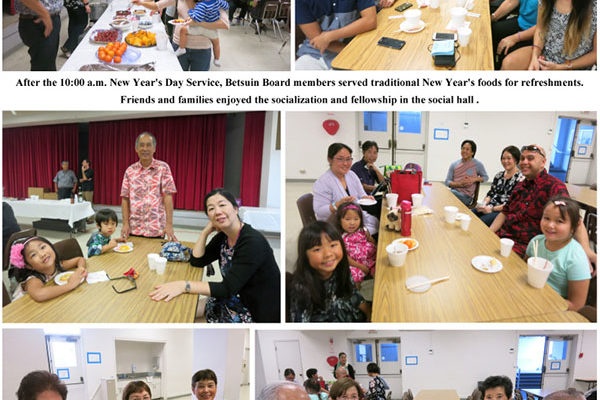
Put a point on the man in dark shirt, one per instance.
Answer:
(87, 184)
(365, 169)
(521, 216)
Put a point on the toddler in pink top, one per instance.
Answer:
(360, 245)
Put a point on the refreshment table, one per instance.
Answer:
(85, 53)
(469, 295)
(363, 53)
(98, 302)
(52, 209)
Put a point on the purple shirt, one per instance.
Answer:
(366, 176)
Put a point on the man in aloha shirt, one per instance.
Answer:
(147, 194)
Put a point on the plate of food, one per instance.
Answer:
(123, 13)
(409, 242)
(102, 36)
(178, 21)
(145, 23)
(487, 264)
(139, 12)
(367, 202)
(118, 53)
(141, 38)
(63, 278)
(124, 247)
(120, 24)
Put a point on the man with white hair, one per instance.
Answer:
(569, 394)
(283, 391)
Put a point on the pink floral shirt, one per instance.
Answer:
(145, 189)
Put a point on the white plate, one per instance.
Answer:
(66, 275)
(460, 216)
(402, 240)
(126, 250)
(172, 22)
(415, 280)
(367, 202)
(485, 264)
(418, 28)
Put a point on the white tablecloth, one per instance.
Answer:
(53, 209)
(85, 53)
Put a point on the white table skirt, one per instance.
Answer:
(53, 209)
(85, 53)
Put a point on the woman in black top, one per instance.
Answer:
(250, 288)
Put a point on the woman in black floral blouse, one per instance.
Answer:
(502, 186)
(377, 386)
(321, 288)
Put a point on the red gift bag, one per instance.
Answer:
(405, 183)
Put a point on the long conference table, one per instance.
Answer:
(52, 209)
(469, 295)
(98, 302)
(363, 53)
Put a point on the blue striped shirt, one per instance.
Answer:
(208, 11)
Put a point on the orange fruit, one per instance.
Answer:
(117, 60)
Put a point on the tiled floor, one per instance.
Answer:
(241, 50)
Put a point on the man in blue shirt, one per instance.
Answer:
(326, 23)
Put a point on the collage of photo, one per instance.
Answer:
(299, 199)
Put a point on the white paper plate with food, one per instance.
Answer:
(409, 242)
(63, 278)
(124, 247)
(487, 264)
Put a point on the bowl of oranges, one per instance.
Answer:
(141, 38)
(117, 53)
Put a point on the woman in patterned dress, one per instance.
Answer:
(565, 38)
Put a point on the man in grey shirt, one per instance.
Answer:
(65, 182)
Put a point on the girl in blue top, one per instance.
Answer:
(571, 274)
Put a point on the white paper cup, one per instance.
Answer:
(434, 3)
(152, 259)
(450, 214)
(538, 270)
(506, 246)
(464, 222)
(392, 199)
(481, 203)
(464, 35)
(161, 265)
(417, 200)
(161, 41)
(457, 16)
(412, 18)
(460, 3)
(397, 253)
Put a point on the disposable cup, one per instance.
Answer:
(464, 222)
(417, 200)
(392, 199)
(457, 15)
(412, 18)
(397, 253)
(506, 246)
(460, 3)
(161, 41)
(161, 264)
(464, 35)
(152, 259)
(434, 3)
(538, 270)
(450, 214)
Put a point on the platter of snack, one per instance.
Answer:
(102, 36)
(124, 247)
(63, 278)
(117, 53)
(178, 21)
(141, 38)
(120, 24)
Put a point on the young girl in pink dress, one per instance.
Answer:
(360, 246)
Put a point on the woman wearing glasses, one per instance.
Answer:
(340, 185)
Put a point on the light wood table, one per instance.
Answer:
(363, 53)
(437, 394)
(469, 295)
(98, 302)
(564, 316)
(583, 195)
(539, 393)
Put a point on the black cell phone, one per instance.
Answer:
(444, 61)
(444, 36)
(392, 43)
(403, 7)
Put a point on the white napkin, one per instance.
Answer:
(95, 277)
(422, 3)
(422, 211)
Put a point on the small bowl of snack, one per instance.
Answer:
(121, 24)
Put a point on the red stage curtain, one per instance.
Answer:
(254, 133)
(193, 146)
(32, 156)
